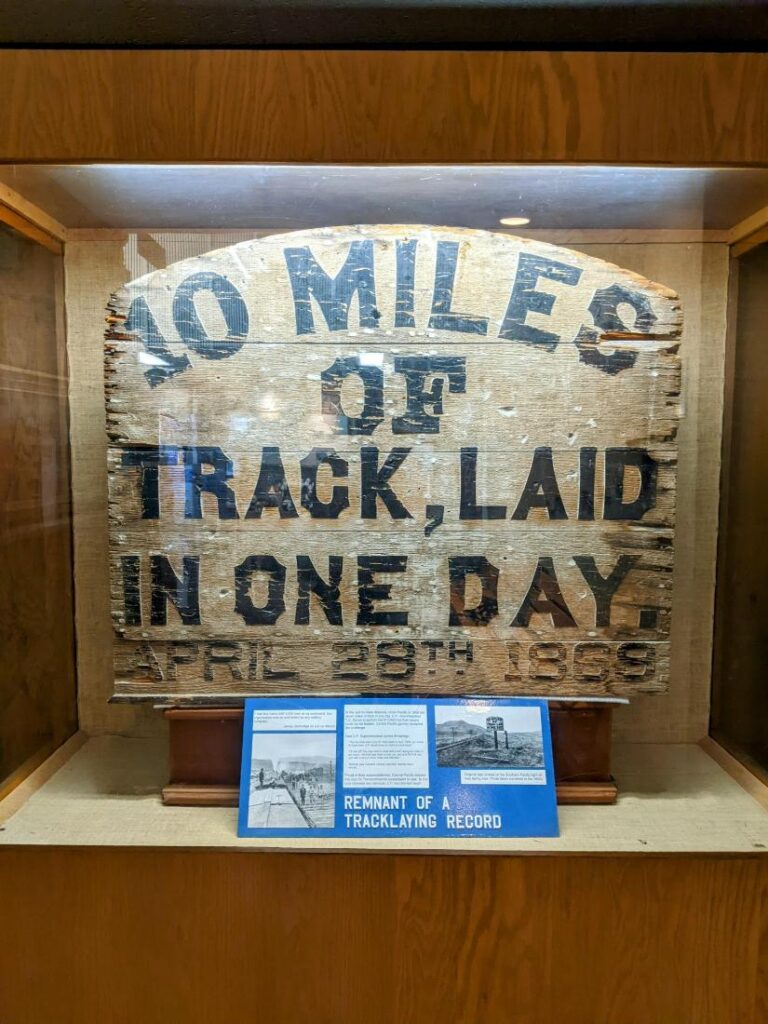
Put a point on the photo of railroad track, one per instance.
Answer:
(478, 736)
(293, 780)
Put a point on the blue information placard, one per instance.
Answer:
(396, 767)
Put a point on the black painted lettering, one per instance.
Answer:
(369, 590)
(617, 461)
(604, 587)
(187, 321)
(541, 490)
(329, 594)
(469, 509)
(649, 618)
(545, 598)
(405, 257)
(416, 370)
(131, 570)
(183, 593)
(269, 613)
(196, 482)
(331, 383)
(604, 308)
(443, 317)
(339, 495)
(487, 608)
(374, 483)
(395, 658)
(434, 515)
(587, 463)
(148, 458)
(525, 299)
(163, 363)
(272, 490)
(332, 294)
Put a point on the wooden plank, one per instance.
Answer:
(286, 375)
(446, 462)
(379, 106)
(226, 670)
(424, 593)
(501, 474)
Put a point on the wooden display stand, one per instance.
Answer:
(205, 746)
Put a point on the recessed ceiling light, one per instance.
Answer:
(514, 222)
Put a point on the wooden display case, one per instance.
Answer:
(686, 841)
(61, 211)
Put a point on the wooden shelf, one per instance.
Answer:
(673, 799)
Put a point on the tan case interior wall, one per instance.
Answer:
(98, 264)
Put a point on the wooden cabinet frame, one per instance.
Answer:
(592, 940)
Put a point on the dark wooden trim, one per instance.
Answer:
(180, 795)
(508, 24)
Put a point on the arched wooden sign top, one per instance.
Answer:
(392, 458)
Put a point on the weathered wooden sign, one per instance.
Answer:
(388, 458)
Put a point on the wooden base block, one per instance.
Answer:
(180, 794)
(587, 792)
(205, 746)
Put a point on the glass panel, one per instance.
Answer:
(461, 414)
(287, 197)
(37, 678)
(740, 696)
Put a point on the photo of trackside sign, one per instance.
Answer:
(381, 459)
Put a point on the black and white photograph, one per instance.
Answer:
(293, 780)
(479, 736)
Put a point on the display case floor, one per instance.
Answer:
(672, 799)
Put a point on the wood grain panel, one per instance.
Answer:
(37, 677)
(383, 106)
(339, 939)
